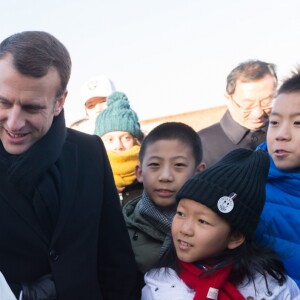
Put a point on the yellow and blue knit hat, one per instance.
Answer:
(118, 116)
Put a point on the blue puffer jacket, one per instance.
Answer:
(282, 214)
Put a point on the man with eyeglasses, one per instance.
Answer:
(250, 89)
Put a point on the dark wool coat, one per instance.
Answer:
(88, 251)
(220, 138)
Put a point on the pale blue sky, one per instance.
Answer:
(168, 56)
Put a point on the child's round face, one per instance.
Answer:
(283, 137)
(166, 166)
(118, 141)
(198, 232)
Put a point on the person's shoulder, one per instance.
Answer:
(292, 288)
(131, 205)
(161, 274)
(130, 211)
(270, 286)
(131, 192)
(208, 131)
(262, 146)
(214, 127)
(78, 123)
(84, 125)
(84, 142)
(209, 128)
(135, 221)
(78, 136)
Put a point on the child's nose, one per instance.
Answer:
(187, 228)
(166, 174)
(283, 133)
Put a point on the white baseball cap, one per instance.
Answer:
(99, 86)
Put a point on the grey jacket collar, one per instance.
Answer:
(235, 132)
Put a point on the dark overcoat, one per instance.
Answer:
(89, 252)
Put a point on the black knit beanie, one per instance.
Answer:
(234, 188)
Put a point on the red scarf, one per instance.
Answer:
(214, 286)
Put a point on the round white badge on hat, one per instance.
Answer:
(225, 203)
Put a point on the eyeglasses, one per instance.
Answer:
(248, 105)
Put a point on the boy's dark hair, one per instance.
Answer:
(174, 131)
(248, 71)
(291, 84)
(34, 52)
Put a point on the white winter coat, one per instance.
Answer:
(5, 291)
(164, 284)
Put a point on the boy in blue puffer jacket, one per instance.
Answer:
(280, 217)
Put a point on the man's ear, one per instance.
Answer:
(235, 240)
(139, 173)
(200, 167)
(60, 103)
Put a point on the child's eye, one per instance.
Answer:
(126, 138)
(179, 213)
(201, 221)
(180, 165)
(153, 164)
(273, 123)
(108, 140)
(297, 123)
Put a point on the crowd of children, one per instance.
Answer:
(213, 254)
(224, 232)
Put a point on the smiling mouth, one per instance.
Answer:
(16, 135)
(184, 245)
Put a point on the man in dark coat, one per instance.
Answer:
(62, 232)
(250, 90)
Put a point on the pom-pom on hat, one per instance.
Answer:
(99, 86)
(118, 116)
(233, 187)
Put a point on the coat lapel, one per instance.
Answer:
(20, 204)
(69, 173)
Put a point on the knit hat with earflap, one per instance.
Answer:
(233, 187)
(118, 116)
